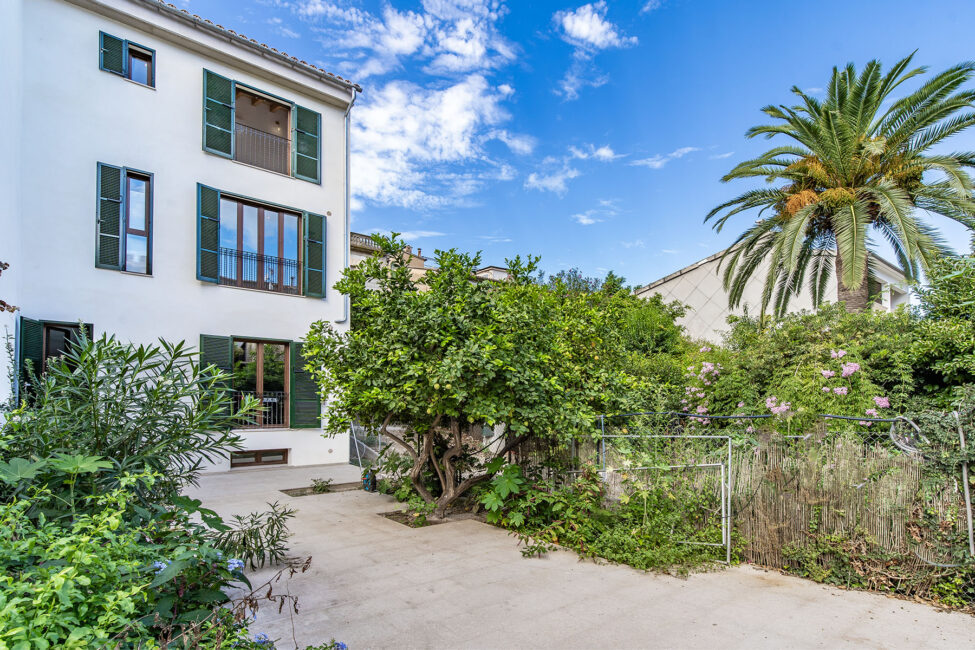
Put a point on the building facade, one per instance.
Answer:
(163, 177)
(700, 287)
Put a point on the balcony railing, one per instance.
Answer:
(262, 149)
(274, 411)
(256, 271)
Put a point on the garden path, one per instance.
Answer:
(375, 583)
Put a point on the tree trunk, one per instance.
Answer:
(856, 300)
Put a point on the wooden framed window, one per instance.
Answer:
(258, 457)
(260, 246)
(127, 59)
(262, 369)
(138, 222)
(140, 66)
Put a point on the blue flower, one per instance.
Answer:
(159, 566)
(261, 639)
(235, 565)
(341, 646)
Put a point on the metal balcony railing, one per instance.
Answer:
(256, 271)
(262, 149)
(274, 413)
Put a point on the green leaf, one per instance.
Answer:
(20, 469)
(492, 501)
(169, 573)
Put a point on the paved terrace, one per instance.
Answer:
(375, 583)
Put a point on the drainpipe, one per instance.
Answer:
(348, 195)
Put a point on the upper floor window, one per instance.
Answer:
(255, 245)
(124, 223)
(130, 60)
(259, 246)
(259, 129)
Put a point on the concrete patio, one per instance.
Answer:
(375, 583)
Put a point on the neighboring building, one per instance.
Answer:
(362, 246)
(700, 287)
(164, 177)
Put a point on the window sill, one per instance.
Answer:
(142, 85)
(138, 275)
(264, 169)
(264, 291)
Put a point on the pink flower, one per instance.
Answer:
(837, 354)
(882, 402)
(871, 412)
(750, 429)
(705, 421)
(700, 394)
(702, 409)
(705, 349)
(865, 423)
(770, 402)
(781, 408)
(827, 373)
(741, 404)
(840, 390)
(825, 389)
(683, 401)
(850, 368)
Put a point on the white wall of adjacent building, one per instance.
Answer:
(701, 289)
(69, 115)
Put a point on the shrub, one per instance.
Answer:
(258, 537)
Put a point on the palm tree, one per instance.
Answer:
(860, 161)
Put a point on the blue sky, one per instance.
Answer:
(594, 135)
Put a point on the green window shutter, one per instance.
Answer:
(30, 355)
(207, 233)
(108, 246)
(308, 145)
(111, 53)
(218, 114)
(314, 257)
(306, 407)
(217, 351)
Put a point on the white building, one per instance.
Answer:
(700, 287)
(162, 176)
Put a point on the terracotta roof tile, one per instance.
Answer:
(255, 42)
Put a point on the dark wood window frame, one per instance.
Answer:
(129, 230)
(258, 457)
(259, 382)
(142, 54)
(71, 332)
(281, 212)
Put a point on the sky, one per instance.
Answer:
(591, 134)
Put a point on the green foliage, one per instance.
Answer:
(640, 529)
(138, 407)
(321, 485)
(800, 360)
(258, 537)
(543, 360)
(945, 342)
(860, 160)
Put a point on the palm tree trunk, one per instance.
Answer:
(856, 300)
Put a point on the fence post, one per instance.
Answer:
(968, 494)
(602, 442)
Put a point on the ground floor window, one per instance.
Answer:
(259, 457)
(262, 370)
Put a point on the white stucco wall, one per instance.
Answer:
(75, 115)
(701, 289)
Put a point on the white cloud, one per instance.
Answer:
(553, 181)
(589, 32)
(411, 235)
(607, 208)
(453, 37)
(669, 251)
(409, 140)
(636, 243)
(586, 28)
(281, 29)
(659, 160)
(519, 143)
(604, 153)
(720, 156)
(495, 239)
(651, 5)
(586, 218)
